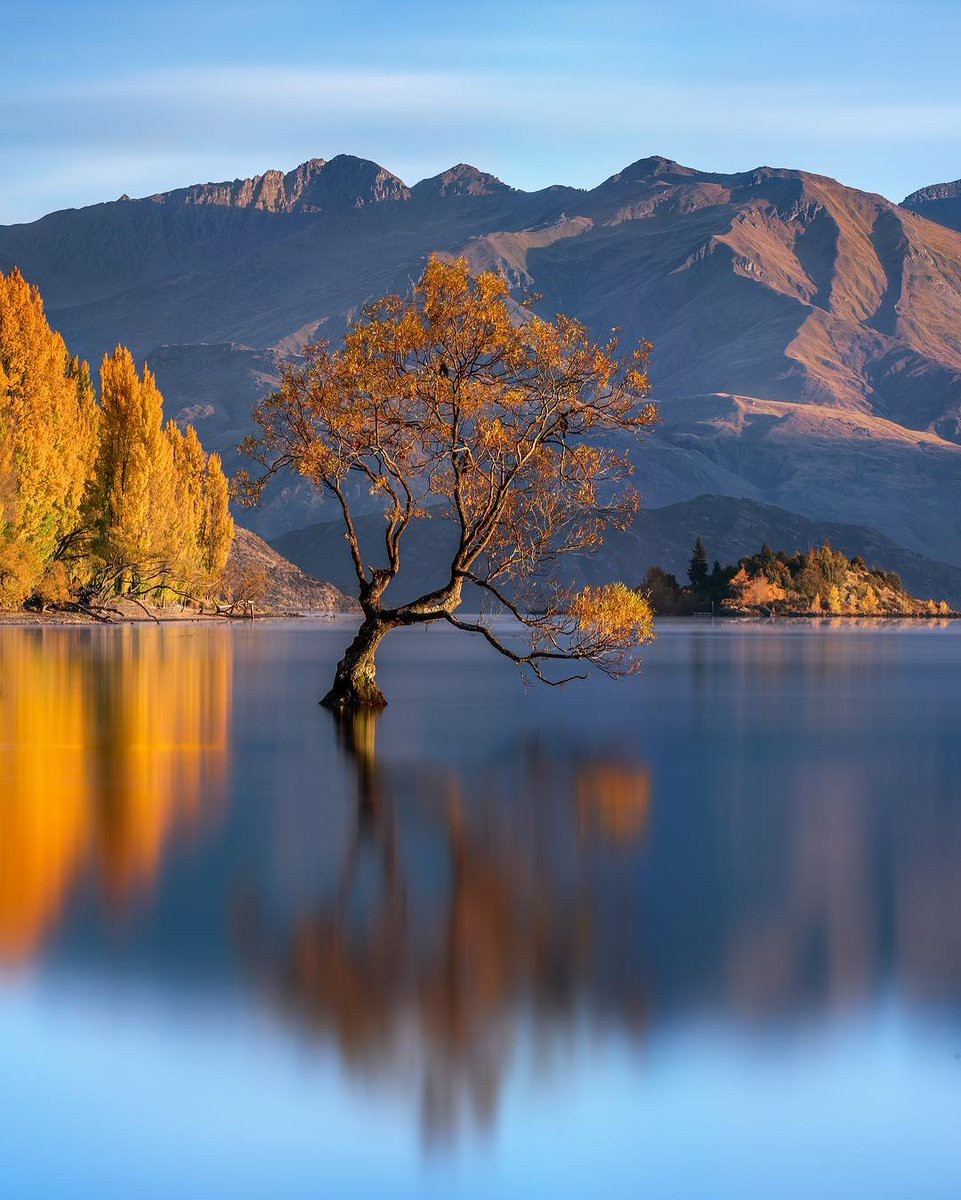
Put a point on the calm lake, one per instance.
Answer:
(692, 934)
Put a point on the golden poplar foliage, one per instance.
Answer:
(132, 489)
(202, 528)
(868, 603)
(48, 430)
(217, 528)
(97, 499)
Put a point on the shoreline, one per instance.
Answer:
(808, 616)
(53, 620)
(14, 619)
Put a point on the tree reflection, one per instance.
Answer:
(452, 915)
(103, 758)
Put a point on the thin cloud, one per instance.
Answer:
(279, 87)
(79, 140)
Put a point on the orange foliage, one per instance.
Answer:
(756, 591)
(611, 617)
(48, 430)
(156, 502)
(96, 497)
(457, 399)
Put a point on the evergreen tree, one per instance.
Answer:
(697, 571)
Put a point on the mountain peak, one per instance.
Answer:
(314, 186)
(939, 202)
(935, 191)
(352, 182)
(647, 169)
(462, 180)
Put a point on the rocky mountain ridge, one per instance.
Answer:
(940, 202)
(312, 187)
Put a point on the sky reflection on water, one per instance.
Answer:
(696, 931)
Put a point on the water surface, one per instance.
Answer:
(693, 934)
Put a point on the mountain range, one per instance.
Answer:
(807, 335)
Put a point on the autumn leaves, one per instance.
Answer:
(157, 504)
(97, 497)
(456, 402)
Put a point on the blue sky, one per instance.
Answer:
(99, 97)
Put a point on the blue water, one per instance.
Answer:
(692, 934)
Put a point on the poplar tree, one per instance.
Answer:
(217, 529)
(130, 500)
(204, 527)
(189, 466)
(48, 433)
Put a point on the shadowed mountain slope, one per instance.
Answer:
(807, 335)
(730, 528)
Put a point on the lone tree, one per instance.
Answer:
(455, 399)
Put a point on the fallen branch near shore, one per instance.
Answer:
(110, 614)
(97, 613)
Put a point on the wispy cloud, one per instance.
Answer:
(283, 87)
(538, 94)
(194, 103)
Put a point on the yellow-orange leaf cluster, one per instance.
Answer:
(756, 591)
(95, 496)
(457, 400)
(48, 430)
(613, 619)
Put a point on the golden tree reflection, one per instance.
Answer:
(451, 914)
(614, 799)
(103, 757)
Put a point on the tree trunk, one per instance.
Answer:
(355, 684)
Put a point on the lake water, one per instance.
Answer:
(692, 934)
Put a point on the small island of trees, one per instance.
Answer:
(820, 581)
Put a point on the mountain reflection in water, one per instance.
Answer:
(762, 831)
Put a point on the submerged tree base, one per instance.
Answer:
(355, 684)
(351, 699)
